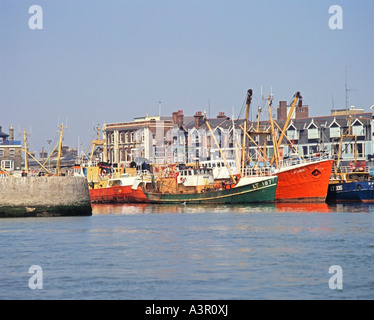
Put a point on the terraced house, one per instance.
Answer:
(312, 135)
(179, 138)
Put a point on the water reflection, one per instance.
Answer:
(129, 209)
(182, 208)
(303, 207)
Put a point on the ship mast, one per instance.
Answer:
(272, 132)
(244, 144)
(96, 143)
(347, 135)
(58, 164)
(26, 151)
(234, 139)
(297, 97)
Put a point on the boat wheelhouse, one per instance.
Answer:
(221, 171)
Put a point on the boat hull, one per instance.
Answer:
(137, 196)
(357, 191)
(304, 182)
(257, 192)
(115, 194)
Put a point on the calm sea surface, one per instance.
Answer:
(192, 252)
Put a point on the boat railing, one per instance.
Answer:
(89, 163)
(258, 171)
(296, 161)
(349, 169)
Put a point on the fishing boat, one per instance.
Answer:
(351, 187)
(350, 183)
(199, 185)
(108, 184)
(299, 179)
(303, 181)
(179, 190)
(116, 190)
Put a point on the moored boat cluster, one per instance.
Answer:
(318, 178)
(304, 181)
(268, 177)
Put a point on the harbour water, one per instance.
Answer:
(147, 252)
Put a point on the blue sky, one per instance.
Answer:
(99, 61)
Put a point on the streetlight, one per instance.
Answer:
(49, 160)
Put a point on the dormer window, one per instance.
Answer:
(358, 128)
(292, 133)
(335, 131)
(313, 132)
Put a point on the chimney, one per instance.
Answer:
(175, 117)
(199, 119)
(221, 115)
(282, 111)
(11, 133)
(180, 118)
(302, 112)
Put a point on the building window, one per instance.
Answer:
(1, 152)
(358, 130)
(209, 141)
(313, 133)
(292, 134)
(7, 164)
(196, 139)
(335, 132)
(313, 149)
(12, 153)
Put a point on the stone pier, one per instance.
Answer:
(44, 197)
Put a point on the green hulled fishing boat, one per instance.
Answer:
(247, 190)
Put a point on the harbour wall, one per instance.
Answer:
(44, 196)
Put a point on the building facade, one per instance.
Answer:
(188, 139)
(10, 151)
(142, 138)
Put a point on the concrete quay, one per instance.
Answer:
(44, 197)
